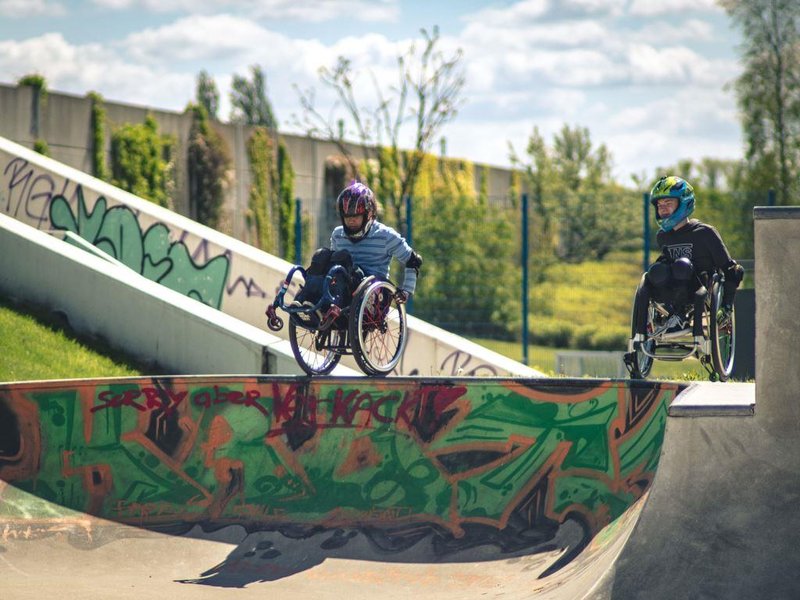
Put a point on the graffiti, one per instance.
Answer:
(498, 462)
(116, 231)
(250, 287)
(460, 363)
(293, 411)
(30, 192)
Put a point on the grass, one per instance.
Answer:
(543, 358)
(35, 345)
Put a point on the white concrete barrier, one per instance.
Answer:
(154, 324)
(195, 260)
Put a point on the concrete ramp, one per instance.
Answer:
(191, 486)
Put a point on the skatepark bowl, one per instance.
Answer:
(183, 486)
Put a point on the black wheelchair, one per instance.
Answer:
(371, 326)
(669, 334)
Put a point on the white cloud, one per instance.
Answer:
(517, 15)
(274, 10)
(202, 38)
(80, 69)
(691, 30)
(30, 8)
(677, 65)
(659, 132)
(650, 8)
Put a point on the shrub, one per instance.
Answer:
(547, 331)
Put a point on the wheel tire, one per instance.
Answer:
(311, 360)
(723, 338)
(642, 363)
(377, 339)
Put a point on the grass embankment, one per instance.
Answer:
(34, 345)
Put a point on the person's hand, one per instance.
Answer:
(401, 296)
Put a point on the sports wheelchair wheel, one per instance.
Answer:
(722, 332)
(641, 363)
(317, 352)
(378, 333)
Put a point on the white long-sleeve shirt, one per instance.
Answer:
(374, 252)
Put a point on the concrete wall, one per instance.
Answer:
(64, 122)
(100, 297)
(192, 259)
(777, 248)
(496, 462)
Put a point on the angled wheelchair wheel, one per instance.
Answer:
(642, 363)
(378, 332)
(722, 333)
(316, 351)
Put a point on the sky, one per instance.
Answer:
(649, 79)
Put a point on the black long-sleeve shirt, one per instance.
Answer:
(697, 241)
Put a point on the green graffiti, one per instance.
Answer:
(116, 231)
(156, 451)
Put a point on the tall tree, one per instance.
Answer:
(208, 168)
(249, 101)
(425, 97)
(208, 94)
(576, 205)
(768, 90)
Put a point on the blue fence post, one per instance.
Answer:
(524, 259)
(771, 198)
(298, 231)
(410, 240)
(646, 241)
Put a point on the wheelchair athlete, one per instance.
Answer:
(363, 246)
(689, 250)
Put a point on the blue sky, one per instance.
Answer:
(648, 78)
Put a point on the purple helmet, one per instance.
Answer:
(357, 199)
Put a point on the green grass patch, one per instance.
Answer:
(37, 345)
(543, 359)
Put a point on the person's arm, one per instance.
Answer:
(405, 255)
(734, 272)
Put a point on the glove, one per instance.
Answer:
(402, 296)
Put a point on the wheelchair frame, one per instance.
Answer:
(716, 349)
(372, 327)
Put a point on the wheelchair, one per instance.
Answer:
(669, 334)
(372, 326)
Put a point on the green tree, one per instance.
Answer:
(141, 161)
(207, 94)
(262, 202)
(286, 217)
(768, 91)
(98, 121)
(208, 168)
(38, 85)
(425, 97)
(577, 209)
(249, 101)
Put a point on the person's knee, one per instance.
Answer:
(343, 258)
(320, 261)
(682, 270)
(658, 274)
